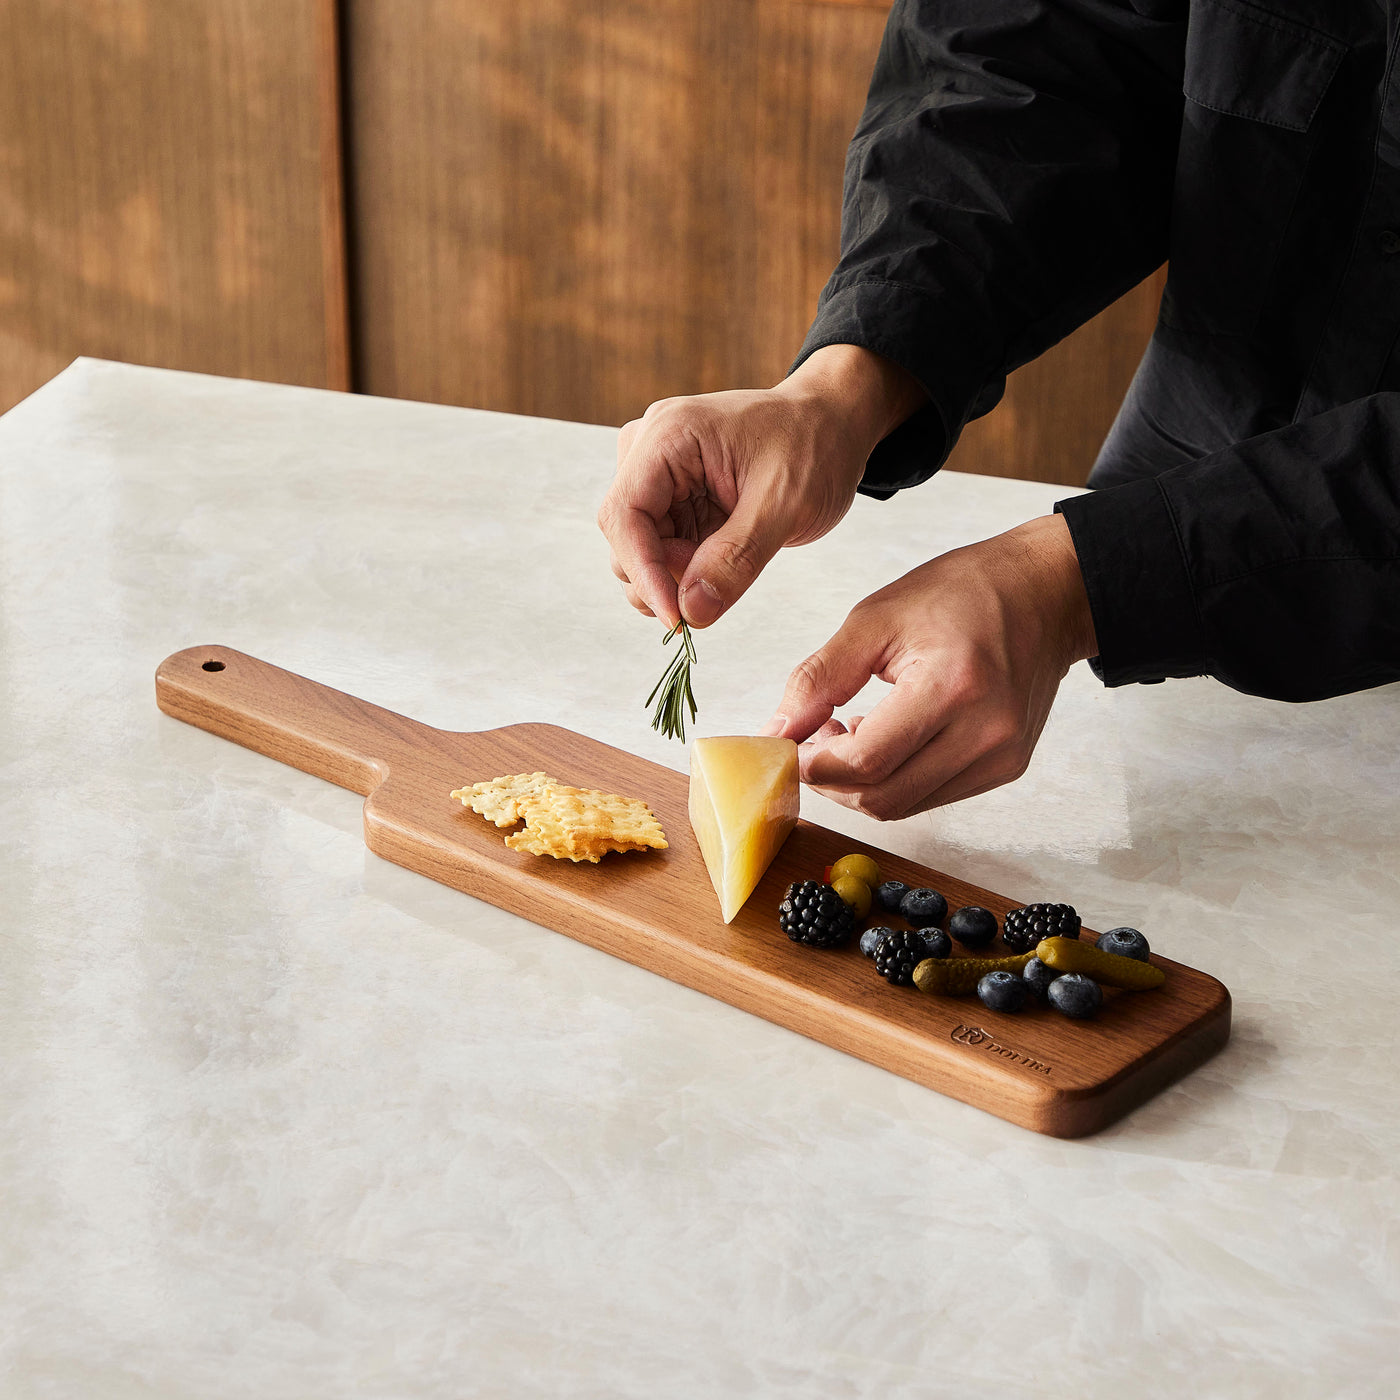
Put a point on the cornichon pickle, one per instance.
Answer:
(1070, 955)
(958, 977)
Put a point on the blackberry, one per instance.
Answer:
(814, 914)
(898, 954)
(890, 893)
(1022, 929)
(924, 908)
(1126, 942)
(973, 926)
(1002, 991)
(870, 940)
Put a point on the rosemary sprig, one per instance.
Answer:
(672, 692)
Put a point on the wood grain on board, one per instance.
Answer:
(170, 189)
(657, 909)
(572, 208)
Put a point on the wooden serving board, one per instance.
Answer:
(658, 910)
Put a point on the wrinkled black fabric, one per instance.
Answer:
(1021, 163)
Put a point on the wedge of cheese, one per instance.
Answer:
(743, 804)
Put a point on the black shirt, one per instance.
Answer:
(1022, 163)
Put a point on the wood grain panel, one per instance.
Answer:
(658, 910)
(573, 209)
(170, 189)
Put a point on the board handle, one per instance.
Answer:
(322, 731)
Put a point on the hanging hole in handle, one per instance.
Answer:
(213, 666)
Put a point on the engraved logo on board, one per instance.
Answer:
(985, 1040)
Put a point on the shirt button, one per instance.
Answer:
(1389, 242)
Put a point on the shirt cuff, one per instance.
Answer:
(920, 333)
(1140, 592)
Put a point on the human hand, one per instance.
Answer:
(710, 487)
(975, 644)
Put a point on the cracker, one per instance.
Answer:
(545, 835)
(548, 837)
(499, 800)
(568, 823)
(602, 818)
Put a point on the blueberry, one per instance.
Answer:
(973, 926)
(1002, 991)
(1076, 995)
(890, 893)
(1038, 976)
(870, 939)
(1126, 942)
(938, 943)
(924, 908)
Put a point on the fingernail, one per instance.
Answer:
(775, 726)
(700, 603)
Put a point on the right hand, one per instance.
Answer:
(709, 488)
(974, 645)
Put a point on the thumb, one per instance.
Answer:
(724, 565)
(831, 676)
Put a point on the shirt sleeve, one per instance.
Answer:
(1273, 565)
(1010, 177)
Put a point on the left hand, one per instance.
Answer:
(975, 644)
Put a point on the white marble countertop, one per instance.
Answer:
(283, 1120)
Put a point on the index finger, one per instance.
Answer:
(640, 558)
(639, 500)
(963, 759)
(905, 721)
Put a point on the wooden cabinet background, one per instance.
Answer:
(551, 207)
(572, 208)
(170, 189)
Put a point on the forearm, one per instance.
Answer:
(856, 392)
(1011, 175)
(1053, 575)
(1273, 565)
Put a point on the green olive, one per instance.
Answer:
(855, 892)
(862, 867)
